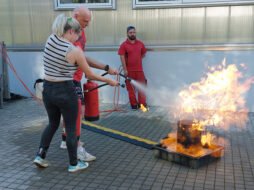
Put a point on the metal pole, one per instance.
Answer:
(6, 92)
(1, 81)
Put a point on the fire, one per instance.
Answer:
(197, 126)
(143, 108)
(193, 150)
(217, 100)
(214, 100)
(207, 139)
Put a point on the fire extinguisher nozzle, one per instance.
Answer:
(122, 85)
(129, 79)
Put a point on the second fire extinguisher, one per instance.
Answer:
(91, 101)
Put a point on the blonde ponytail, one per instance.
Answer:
(62, 24)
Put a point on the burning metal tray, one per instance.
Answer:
(187, 160)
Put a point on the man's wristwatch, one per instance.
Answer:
(106, 68)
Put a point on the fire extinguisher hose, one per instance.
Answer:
(122, 85)
(96, 87)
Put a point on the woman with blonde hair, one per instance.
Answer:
(61, 59)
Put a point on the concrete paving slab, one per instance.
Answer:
(119, 165)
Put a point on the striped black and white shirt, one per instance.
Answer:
(55, 64)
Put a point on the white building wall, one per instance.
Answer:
(167, 71)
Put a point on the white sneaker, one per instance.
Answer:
(63, 145)
(85, 156)
(89, 157)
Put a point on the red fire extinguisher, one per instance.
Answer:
(91, 101)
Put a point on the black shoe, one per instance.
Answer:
(134, 107)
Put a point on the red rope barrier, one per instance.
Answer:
(8, 61)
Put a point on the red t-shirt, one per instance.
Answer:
(81, 42)
(133, 54)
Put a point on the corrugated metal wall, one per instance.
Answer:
(28, 23)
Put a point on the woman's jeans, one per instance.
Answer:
(60, 99)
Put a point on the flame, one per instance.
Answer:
(207, 139)
(218, 99)
(197, 126)
(143, 108)
(193, 150)
(209, 143)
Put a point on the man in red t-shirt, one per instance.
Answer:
(131, 52)
(83, 16)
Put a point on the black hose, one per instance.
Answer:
(104, 74)
(128, 78)
(96, 87)
(122, 85)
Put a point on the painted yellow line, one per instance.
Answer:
(119, 133)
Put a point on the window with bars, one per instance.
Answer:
(93, 4)
(186, 3)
